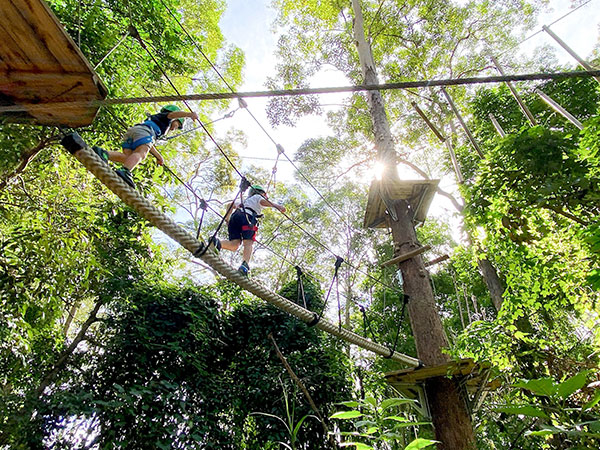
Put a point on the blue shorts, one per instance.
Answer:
(242, 226)
(137, 135)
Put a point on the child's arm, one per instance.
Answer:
(159, 159)
(179, 114)
(231, 207)
(269, 203)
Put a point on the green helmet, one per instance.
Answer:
(256, 189)
(173, 108)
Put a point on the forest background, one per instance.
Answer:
(111, 337)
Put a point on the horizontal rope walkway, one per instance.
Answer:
(307, 91)
(107, 176)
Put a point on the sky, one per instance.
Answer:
(248, 25)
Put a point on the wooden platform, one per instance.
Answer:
(40, 63)
(419, 193)
(473, 377)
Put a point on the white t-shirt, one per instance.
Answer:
(253, 202)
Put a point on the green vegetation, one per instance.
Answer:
(112, 338)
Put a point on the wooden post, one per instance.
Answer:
(559, 109)
(570, 51)
(497, 126)
(450, 416)
(516, 95)
(443, 140)
(462, 123)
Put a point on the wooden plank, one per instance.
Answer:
(25, 36)
(51, 33)
(400, 258)
(12, 55)
(437, 260)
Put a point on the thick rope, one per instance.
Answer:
(305, 91)
(107, 176)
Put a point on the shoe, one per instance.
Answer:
(103, 154)
(125, 174)
(244, 269)
(215, 243)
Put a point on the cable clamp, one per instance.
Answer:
(316, 319)
(133, 32)
(203, 204)
(298, 271)
(244, 184)
(280, 149)
(242, 102)
(390, 355)
(338, 262)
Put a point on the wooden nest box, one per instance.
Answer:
(418, 193)
(40, 63)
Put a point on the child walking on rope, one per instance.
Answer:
(138, 140)
(243, 224)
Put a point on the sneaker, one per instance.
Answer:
(215, 243)
(125, 174)
(244, 269)
(103, 154)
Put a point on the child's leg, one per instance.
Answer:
(118, 156)
(231, 245)
(137, 156)
(247, 253)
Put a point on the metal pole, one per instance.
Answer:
(112, 50)
(443, 140)
(570, 51)
(559, 109)
(497, 126)
(516, 95)
(462, 123)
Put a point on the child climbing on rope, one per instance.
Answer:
(139, 140)
(243, 224)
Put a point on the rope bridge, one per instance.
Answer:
(76, 146)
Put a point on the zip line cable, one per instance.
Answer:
(244, 105)
(74, 144)
(143, 44)
(542, 30)
(305, 91)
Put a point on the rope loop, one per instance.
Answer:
(316, 319)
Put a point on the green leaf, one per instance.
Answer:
(349, 404)
(525, 410)
(388, 403)
(541, 386)
(420, 443)
(593, 402)
(346, 415)
(357, 445)
(573, 384)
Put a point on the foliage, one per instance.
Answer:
(384, 424)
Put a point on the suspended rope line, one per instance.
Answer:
(229, 115)
(306, 91)
(143, 44)
(549, 25)
(317, 318)
(405, 300)
(107, 176)
(300, 286)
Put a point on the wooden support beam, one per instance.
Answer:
(430, 124)
(559, 109)
(406, 256)
(497, 126)
(462, 123)
(437, 260)
(516, 95)
(570, 51)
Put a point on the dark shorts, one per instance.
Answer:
(242, 226)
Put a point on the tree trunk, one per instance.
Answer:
(492, 281)
(451, 420)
